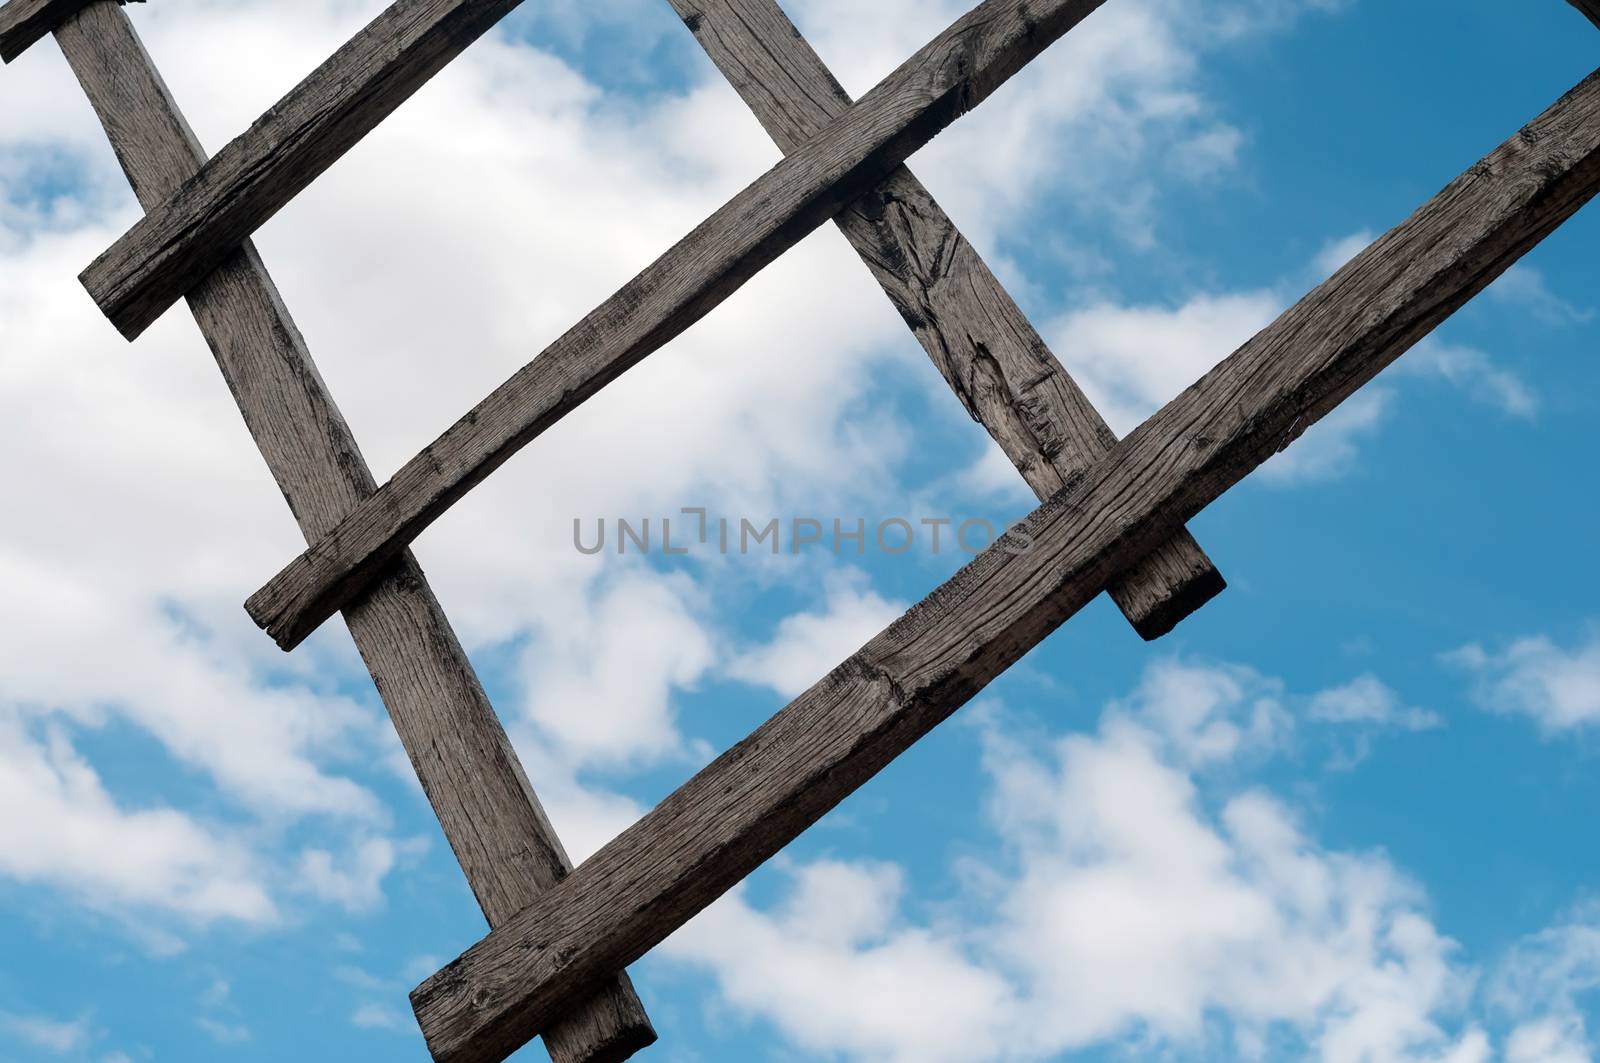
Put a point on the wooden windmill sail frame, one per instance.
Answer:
(1112, 516)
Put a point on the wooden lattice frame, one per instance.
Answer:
(1113, 512)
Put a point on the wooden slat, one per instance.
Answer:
(977, 336)
(25, 22)
(183, 238)
(948, 77)
(488, 811)
(1591, 8)
(760, 795)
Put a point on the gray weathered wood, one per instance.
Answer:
(25, 22)
(948, 77)
(183, 238)
(977, 336)
(760, 795)
(1591, 8)
(488, 811)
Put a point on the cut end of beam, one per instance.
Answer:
(290, 617)
(130, 301)
(1167, 586)
(1180, 603)
(23, 23)
(623, 1045)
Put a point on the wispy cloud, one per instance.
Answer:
(51, 1035)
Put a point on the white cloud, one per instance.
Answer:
(1558, 688)
(72, 834)
(1543, 981)
(1329, 448)
(1130, 910)
(224, 1033)
(49, 1034)
(1335, 253)
(1549, 1041)
(1468, 368)
(1366, 706)
(1131, 360)
(807, 646)
(601, 674)
(355, 882)
(1476, 373)
(143, 517)
(379, 1017)
(836, 969)
(1205, 713)
(1368, 700)
(1525, 287)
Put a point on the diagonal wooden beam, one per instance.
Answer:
(489, 813)
(202, 222)
(23, 23)
(750, 802)
(977, 336)
(947, 78)
(1591, 8)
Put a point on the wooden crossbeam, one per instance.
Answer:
(23, 23)
(183, 238)
(977, 336)
(754, 799)
(489, 813)
(1591, 8)
(945, 79)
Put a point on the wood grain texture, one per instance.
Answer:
(1591, 8)
(24, 23)
(948, 77)
(488, 811)
(205, 219)
(760, 795)
(976, 335)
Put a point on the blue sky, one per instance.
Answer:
(1342, 814)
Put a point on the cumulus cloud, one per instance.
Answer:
(1132, 360)
(601, 676)
(140, 516)
(808, 645)
(837, 969)
(1545, 979)
(1555, 686)
(354, 880)
(66, 831)
(1134, 904)
(1367, 706)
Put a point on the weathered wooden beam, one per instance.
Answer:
(1591, 8)
(489, 813)
(978, 338)
(944, 80)
(183, 238)
(754, 799)
(23, 23)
